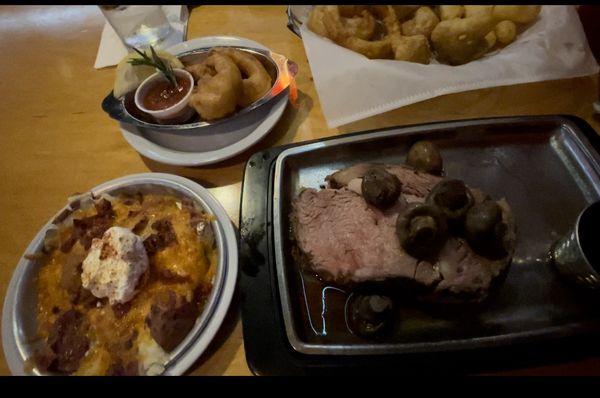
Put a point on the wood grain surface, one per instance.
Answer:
(55, 139)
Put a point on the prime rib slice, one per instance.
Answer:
(346, 240)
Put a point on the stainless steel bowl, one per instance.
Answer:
(19, 316)
(277, 66)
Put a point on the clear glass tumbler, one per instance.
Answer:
(138, 26)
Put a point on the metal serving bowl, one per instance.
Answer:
(19, 316)
(276, 65)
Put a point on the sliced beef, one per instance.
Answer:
(162, 238)
(344, 239)
(68, 342)
(171, 320)
(347, 239)
(416, 183)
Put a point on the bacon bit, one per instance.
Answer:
(201, 292)
(169, 277)
(88, 228)
(164, 237)
(107, 251)
(140, 225)
(120, 309)
(117, 369)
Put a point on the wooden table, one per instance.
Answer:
(55, 139)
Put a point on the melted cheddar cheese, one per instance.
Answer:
(116, 339)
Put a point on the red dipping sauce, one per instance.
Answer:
(162, 95)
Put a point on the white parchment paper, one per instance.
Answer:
(352, 87)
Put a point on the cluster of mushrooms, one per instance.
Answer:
(449, 208)
(423, 228)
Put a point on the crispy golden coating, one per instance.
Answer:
(256, 82)
(413, 48)
(350, 11)
(478, 11)
(454, 34)
(362, 26)
(451, 12)
(519, 14)
(506, 32)
(315, 21)
(458, 41)
(339, 32)
(423, 23)
(219, 87)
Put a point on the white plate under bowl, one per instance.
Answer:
(249, 129)
(18, 314)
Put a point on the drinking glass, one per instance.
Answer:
(138, 26)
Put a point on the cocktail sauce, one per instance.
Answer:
(162, 94)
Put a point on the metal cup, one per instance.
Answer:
(576, 255)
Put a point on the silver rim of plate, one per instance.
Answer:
(209, 321)
(157, 152)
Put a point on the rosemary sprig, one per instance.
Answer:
(157, 62)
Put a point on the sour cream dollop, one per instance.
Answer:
(114, 265)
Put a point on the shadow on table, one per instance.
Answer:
(219, 343)
(231, 170)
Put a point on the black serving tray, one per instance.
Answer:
(268, 347)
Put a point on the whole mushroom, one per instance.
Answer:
(424, 155)
(380, 188)
(453, 198)
(371, 315)
(422, 230)
(485, 231)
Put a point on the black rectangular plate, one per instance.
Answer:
(268, 349)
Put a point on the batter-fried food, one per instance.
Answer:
(458, 41)
(451, 12)
(339, 33)
(406, 48)
(519, 14)
(315, 21)
(455, 34)
(478, 11)
(362, 26)
(422, 23)
(256, 81)
(219, 87)
(506, 32)
(350, 11)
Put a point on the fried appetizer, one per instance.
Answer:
(256, 81)
(422, 23)
(458, 41)
(506, 32)
(454, 34)
(219, 87)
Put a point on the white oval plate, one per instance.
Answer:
(180, 158)
(13, 336)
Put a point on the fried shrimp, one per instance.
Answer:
(340, 33)
(219, 86)
(256, 81)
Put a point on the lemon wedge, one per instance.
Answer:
(129, 77)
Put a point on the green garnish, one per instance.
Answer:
(157, 62)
